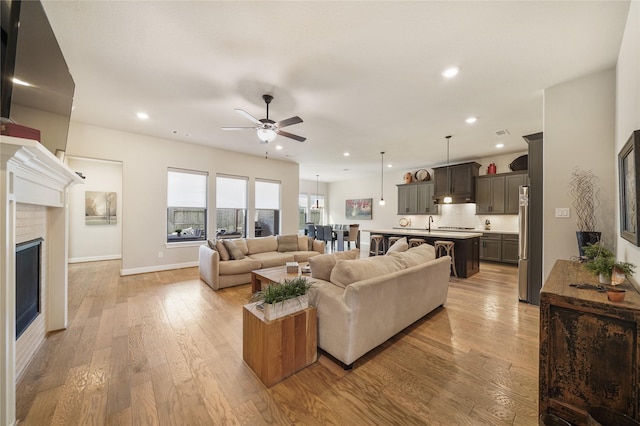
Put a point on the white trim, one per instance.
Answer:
(95, 258)
(158, 268)
(185, 244)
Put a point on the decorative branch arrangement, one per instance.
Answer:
(585, 193)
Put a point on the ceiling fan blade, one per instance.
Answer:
(291, 135)
(238, 128)
(247, 115)
(289, 122)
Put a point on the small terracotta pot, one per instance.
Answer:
(615, 295)
(408, 177)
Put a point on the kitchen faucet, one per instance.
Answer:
(429, 223)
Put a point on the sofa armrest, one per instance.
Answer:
(209, 265)
(319, 246)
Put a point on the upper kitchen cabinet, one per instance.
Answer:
(462, 186)
(498, 193)
(416, 198)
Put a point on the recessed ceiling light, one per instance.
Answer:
(142, 115)
(389, 165)
(471, 120)
(346, 154)
(279, 146)
(499, 145)
(21, 82)
(451, 72)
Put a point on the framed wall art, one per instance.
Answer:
(100, 208)
(358, 209)
(628, 164)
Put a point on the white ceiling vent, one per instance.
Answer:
(502, 132)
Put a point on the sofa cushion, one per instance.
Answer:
(262, 244)
(241, 266)
(272, 258)
(322, 265)
(350, 271)
(212, 244)
(287, 243)
(242, 245)
(305, 243)
(416, 255)
(399, 246)
(222, 250)
(303, 255)
(234, 251)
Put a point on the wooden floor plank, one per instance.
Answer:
(163, 348)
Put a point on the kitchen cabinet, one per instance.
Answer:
(589, 347)
(513, 181)
(491, 247)
(490, 194)
(496, 247)
(510, 248)
(499, 193)
(461, 181)
(416, 198)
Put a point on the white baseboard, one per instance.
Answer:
(158, 268)
(95, 258)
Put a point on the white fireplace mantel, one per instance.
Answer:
(30, 174)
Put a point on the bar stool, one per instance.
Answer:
(415, 242)
(376, 245)
(445, 248)
(392, 240)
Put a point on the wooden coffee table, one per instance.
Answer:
(273, 275)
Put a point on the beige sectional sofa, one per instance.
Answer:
(363, 302)
(229, 262)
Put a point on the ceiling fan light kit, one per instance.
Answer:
(266, 129)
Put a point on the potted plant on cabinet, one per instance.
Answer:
(602, 262)
(585, 193)
(283, 298)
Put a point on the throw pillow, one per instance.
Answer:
(322, 264)
(234, 252)
(224, 254)
(349, 272)
(399, 246)
(212, 244)
(287, 243)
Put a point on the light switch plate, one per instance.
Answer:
(562, 212)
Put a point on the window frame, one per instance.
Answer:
(197, 237)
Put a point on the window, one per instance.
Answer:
(231, 206)
(186, 205)
(302, 212)
(267, 218)
(317, 206)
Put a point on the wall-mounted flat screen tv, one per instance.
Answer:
(37, 87)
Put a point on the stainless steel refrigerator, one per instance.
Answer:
(523, 248)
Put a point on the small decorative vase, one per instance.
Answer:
(408, 177)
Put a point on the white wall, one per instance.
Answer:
(579, 131)
(144, 189)
(628, 108)
(94, 242)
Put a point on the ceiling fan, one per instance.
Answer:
(266, 128)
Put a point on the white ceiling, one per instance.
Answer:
(364, 76)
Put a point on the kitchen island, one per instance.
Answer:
(467, 245)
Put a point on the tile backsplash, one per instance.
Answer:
(464, 215)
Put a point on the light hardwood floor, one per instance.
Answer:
(163, 348)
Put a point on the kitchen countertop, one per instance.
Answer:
(425, 233)
(484, 231)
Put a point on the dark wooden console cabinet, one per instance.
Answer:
(589, 347)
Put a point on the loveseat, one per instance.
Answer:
(362, 303)
(229, 262)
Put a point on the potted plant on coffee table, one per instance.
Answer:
(284, 298)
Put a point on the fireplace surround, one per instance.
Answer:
(31, 179)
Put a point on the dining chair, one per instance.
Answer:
(319, 233)
(329, 235)
(353, 235)
(311, 231)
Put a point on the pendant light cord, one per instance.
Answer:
(382, 176)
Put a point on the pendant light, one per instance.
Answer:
(381, 202)
(447, 198)
(317, 206)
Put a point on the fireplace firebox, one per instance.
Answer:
(28, 265)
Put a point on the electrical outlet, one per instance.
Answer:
(562, 212)
(160, 254)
